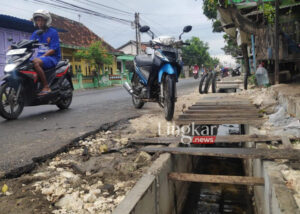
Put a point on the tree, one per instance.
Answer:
(210, 11)
(231, 47)
(197, 53)
(96, 54)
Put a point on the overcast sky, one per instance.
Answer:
(165, 17)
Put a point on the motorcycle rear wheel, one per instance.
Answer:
(137, 102)
(64, 103)
(169, 96)
(8, 102)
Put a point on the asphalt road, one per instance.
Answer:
(42, 130)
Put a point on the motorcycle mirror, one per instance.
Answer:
(144, 29)
(10, 39)
(187, 28)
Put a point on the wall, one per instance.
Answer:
(155, 193)
(129, 49)
(86, 69)
(5, 34)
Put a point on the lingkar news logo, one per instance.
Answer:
(191, 134)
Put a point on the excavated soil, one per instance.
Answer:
(91, 177)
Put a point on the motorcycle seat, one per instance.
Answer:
(61, 63)
(143, 60)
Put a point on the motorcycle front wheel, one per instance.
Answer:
(169, 96)
(11, 106)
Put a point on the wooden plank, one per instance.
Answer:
(221, 103)
(291, 154)
(233, 86)
(286, 142)
(230, 82)
(248, 121)
(219, 139)
(195, 107)
(224, 111)
(217, 116)
(219, 179)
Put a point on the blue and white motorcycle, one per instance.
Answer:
(156, 74)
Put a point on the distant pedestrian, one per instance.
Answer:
(261, 75)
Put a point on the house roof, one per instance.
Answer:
(77, 34)
(14, 23)
(133, 43)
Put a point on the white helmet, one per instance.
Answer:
(44, 14)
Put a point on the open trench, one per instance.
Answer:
(204, 198)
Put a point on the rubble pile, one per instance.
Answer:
(92, 177)
(279, 123)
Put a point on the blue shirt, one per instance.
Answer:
(50, 40)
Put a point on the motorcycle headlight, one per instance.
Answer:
(15, 63)
(10, 67)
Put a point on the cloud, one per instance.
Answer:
(226, 60)
(164, 17)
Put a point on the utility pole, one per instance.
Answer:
(276, 41)
(137, 32)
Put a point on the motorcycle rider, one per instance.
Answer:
(49, 53)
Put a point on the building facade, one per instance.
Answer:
(12, 29)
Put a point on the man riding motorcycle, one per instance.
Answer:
(48, 54)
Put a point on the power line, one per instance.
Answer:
(72, 7)
(103, 9)
(92, 11)
(125, 5)
(123, 11)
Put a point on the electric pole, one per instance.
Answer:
(276, 41)
(137, 32)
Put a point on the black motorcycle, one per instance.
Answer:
(236, 72)
(155, 75)
(20, 83)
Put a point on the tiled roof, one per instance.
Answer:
(77, 34)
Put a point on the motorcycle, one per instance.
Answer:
(236, 72)
(155, 75)
(20, 84)
(224, 72)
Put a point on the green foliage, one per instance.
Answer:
(231, 46)
(269, 12)
(217, 27)
(252, 80)
(210, 8)
(197, 53)
(96, 55)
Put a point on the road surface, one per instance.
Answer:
(42, 130)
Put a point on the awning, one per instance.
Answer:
(126, 57)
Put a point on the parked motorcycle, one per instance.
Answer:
(155, 75)
(224, 72)
(20, 84)
(236, 72)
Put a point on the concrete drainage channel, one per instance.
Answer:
(232, 176)
(156, 193)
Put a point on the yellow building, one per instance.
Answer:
(76, 36)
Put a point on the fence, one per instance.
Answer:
(99, 81)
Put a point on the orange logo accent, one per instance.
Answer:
(48, 40)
